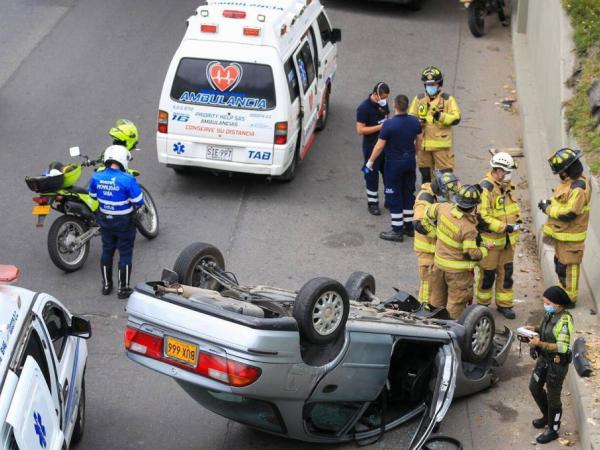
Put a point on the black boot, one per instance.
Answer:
(396, 236)
(124, 277)
(541, 422)
(425, 174)
(374, 209)
(507, 312)
(551, 432)
(107, 279)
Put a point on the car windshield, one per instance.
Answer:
(225, 84)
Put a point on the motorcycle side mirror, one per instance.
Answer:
(74, 152)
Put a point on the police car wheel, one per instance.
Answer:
(321, 310)
(193, 262)
(61, 238)
(80, 421)
(147, 216)
(480, 329)
(360, 286)
(477, 13)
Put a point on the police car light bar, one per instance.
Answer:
(231, 14)
(8, 274)
(206, 28)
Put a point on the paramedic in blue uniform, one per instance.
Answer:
(119, 195)
(400, 139)
(370, 115)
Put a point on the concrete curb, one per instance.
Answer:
(536, 147)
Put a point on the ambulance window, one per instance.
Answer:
(306, 67)
(58, 327)
(325, 29)
(36, 351)
(225, 84)
(292, 79)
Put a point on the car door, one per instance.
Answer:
(32, 415)
(309, 103)
(328, 57)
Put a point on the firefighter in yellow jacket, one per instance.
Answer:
(500, 216)
(568, 214)
(442, 187)
(438, 112)
(456, 250)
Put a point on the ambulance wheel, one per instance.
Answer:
(80, 421)
(290, 172)
(414, 5)
(477, 13)
(480, 329)
(360, 286)
(322, 123)
(195, 261)
(321, 310)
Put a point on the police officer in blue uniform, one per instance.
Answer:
(400, 139)
(370, 115)
(119, 195)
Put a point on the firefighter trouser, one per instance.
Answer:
(496, 269)
(436, 158)
(425, 281)
(372, 178)
(567, 262)
(400, 179)
(452, 290)
(552, 375)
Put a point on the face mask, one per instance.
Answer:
(382, 102)
(550, 309)
(507, 176)
(431, 90)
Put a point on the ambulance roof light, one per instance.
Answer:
(232, 14)
(248, 31)
(8, 274)
(206, 28)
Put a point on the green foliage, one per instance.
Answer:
(585, 19)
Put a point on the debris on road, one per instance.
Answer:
(516, 152)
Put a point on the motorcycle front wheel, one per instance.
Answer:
(147, 216)
(477, 12)
(61, 237)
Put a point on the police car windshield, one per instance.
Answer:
(225, 84)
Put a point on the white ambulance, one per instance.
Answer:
(43, 357)
(248, 87)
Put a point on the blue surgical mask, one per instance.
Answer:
(550, 309)
(431, 90)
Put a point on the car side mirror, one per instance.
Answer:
(169, 277)
(335, 35)
(74, 152)
(80, 327)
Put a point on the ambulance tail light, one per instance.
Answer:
(231, 14)
(248, 31)
(206, 28)
(281, 133)
(163, 121)
(137, 341)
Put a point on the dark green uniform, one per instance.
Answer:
(552, 365)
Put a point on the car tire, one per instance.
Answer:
(480, 329)
(321, 310)
(290, 172)
(358, 284)
(191, 258)
(79, 427)
(322, 123)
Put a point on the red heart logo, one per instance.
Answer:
(223, 78)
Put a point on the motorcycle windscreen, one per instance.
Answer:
(32, 414)
(443, 393)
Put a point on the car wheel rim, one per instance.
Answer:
(199, 277)
(481, 336)
(327, 313)
(67, 234)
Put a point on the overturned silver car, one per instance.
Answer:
(328, 363)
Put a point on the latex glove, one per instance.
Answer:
(368, 168)
(512, 228)
(543, 205)
(381, 121)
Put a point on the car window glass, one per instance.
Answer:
(292, 79)
(330, 418)
(324, 28)
(224, 84)
(58, 327)
(313, 46)
(36, 351)
(306, 67)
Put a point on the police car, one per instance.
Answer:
(248, 87)
(43, 357)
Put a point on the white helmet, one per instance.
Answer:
(503, 161)
(118, 154)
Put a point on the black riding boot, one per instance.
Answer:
(107, 279)
(124, 277)
(551, 432)
(425, 174)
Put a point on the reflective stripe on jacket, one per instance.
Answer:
(498, 208)
(569, 211)
(424, 244)
(436, 134)
(117, 192)
(555, 331)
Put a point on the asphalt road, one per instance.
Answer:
(69, 68)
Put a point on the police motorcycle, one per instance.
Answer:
(479, 9)
(70, 235)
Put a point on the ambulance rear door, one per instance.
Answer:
(309, 102)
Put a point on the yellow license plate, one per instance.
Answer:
(182, 351)
(41, 210)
